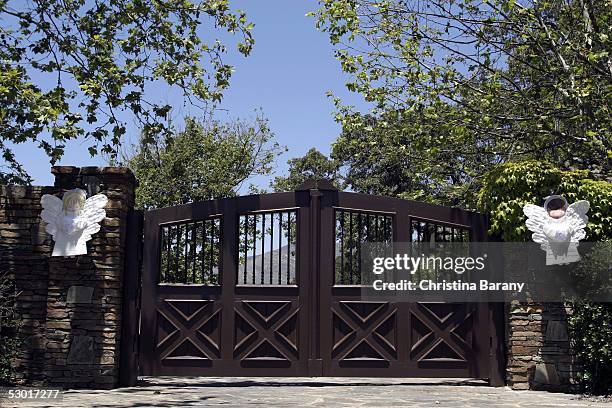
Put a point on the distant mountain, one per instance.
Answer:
(268, 265)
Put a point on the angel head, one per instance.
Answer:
(73, 201)
(555, 206)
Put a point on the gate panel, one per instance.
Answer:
(223, 290)
(390, 338)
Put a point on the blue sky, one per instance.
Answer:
(287, 75)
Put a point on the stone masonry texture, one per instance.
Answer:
(539, 353)
(70, 308)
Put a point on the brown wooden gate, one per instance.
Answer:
(266, 285)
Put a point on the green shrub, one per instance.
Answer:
(9, 346)
(507, 188)
(9, 339)
(591, 328)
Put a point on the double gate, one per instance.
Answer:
(268, 285)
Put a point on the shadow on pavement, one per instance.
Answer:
(347, 382)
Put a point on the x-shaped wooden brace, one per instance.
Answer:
(266, 334)
(441, 330)
(367, 334)
(188, 331)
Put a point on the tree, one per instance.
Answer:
(412, 155)
(521, 79)
(72, 69)
(313, 165)
(207, 160)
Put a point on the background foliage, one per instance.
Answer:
(207, 160)
(507, 189)
(313, 165)
(458, 86)
(73, 69)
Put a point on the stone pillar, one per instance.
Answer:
(25, 248)
(84, 301)
(539, 350)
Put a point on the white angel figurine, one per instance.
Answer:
(72, 220)
(558, 227)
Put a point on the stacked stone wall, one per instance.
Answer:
(69, 307)
(539, 353)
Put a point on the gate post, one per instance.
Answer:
(315, 366)
(85, 295)
(495, 317)
(128, 366)
(319, 196)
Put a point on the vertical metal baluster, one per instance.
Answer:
(206, 274)
(350, 247)
(214, 247)
(254, 244)
(186, 273)
(341, 245)
(203, 269)
(263, 246)
(384, 228)
(246, 246)
(376, 228)
(360, 243)
(271, 245)
(289, 220)
(193, 249)
(176, 252)
(162, 266)
(280, 246)
(168, 253)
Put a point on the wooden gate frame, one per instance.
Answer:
(316, 203)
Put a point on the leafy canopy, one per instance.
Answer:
(412, 155)
(479, 82)
(207, 160)
(313, 165)
(77, 68)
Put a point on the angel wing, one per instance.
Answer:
(577, 218)
(51, 213)
(536, 217)
(93, 212)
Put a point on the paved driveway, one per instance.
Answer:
(316, 392)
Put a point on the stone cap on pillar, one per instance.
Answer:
(73, 171)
